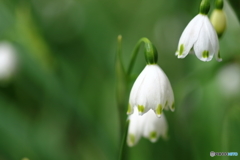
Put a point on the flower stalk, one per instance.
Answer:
(150, 94)
(124, 150)
(122, 83)
(150, 54)
(121, 88)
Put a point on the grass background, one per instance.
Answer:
(61, 104)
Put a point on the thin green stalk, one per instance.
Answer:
(122, 80)
(121, 101)
(124, 149)
(148, 48)
(121, 87)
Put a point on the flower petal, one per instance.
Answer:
(153, 126)
(162, 86)
(170, 98)
(203, 47)
(189, 36)
(136, 92)
(150, 92)
(212, 35)
(134, 129)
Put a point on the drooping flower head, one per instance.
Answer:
(151, 90)
(201, 36)
(150, 94)
(147, 125)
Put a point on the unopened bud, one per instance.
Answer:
(218, 20)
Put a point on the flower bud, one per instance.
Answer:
(218, 18)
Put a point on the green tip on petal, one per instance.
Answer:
(141, 108)
(204, 7)
(219, 55)
(166, 104)
(129, 111)
(173, 107)
(205, 54)
(158, 110)
(181, 49)
(219, 4)
(153, 135)
(131, 139)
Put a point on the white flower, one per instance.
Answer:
(228, 80)
(151, 90)
(201, 36)
(147, 125)
(8, 60)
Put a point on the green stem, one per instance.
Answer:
(124, 149)
(121, 101)
(150, 54)
(121, 90)
(122, 81)
(204, 7)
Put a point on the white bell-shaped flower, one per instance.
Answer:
(8, 61)
(147, 125)
(228, 80)
(151, 90)
(202, 37)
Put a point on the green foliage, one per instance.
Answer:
(61, 104)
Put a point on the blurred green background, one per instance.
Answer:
(61, 104)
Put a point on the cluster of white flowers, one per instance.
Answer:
(150, 94)
(152, 91)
